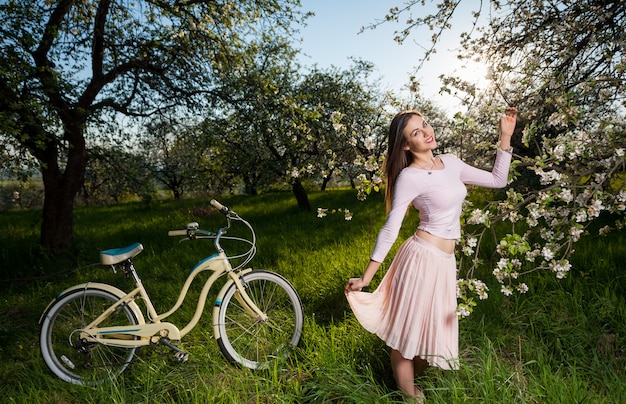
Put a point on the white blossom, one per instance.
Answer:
(557, 119)
(581, 216)
(480, 288)
(478, 217)
(467, 250)
(547, 253)
(370, 165)
(548, 177)
(532, 255)
(347, 214)
(559, 152)
(546, 233)
(522, 288)
(560, 267)
(462, 311)
(595, 208)
(575, 233)
(566, 195)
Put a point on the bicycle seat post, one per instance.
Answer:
(129, 267)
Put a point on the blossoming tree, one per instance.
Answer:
(563, 67)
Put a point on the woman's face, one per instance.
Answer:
(419, 135)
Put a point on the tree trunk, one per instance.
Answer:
(327, 179)
(60, 190)
(301, 196)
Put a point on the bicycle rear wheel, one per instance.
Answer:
(74, 359)
(251, 342)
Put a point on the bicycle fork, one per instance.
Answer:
(242, 297)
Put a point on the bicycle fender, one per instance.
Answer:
(218, 301)
(96, 285)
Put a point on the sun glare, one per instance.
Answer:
(474, 72)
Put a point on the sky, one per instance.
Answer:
(332, 37)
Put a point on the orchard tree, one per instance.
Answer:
(562, 64)
(279, 119)
(182, 157)
(68, 63)
(256, 109)
(350, 107)
(114, 173)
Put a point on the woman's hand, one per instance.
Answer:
(355, 284)
(507, 126)
(507, 122)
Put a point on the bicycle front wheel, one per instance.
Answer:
(74, 359)
(249, 341)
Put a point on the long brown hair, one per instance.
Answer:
(397, 157)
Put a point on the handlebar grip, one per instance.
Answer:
(223, 209)
(177, 233)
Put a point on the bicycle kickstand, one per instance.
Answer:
(180, 356)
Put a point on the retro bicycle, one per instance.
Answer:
(90, 332)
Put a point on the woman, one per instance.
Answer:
(414, 308)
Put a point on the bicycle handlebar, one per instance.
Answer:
(192, 232)
(223, 209)
(177, 233)
(192, 228)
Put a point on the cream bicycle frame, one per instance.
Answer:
(153, 331)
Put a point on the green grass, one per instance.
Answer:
(563, 342)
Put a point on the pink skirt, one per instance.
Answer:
(414, 308)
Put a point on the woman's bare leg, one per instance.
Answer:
(404, 373)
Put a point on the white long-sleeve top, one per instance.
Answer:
(438, 196)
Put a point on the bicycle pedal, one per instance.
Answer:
(181, 357)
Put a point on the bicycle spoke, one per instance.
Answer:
(76, 360)
(254, 343)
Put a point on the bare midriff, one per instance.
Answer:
(445, 245)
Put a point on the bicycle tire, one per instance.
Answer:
(81, 362)
(252, 343)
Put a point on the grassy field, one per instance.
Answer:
(563, 342)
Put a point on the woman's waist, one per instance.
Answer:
(444, 244)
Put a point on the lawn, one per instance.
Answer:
(563, 342)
